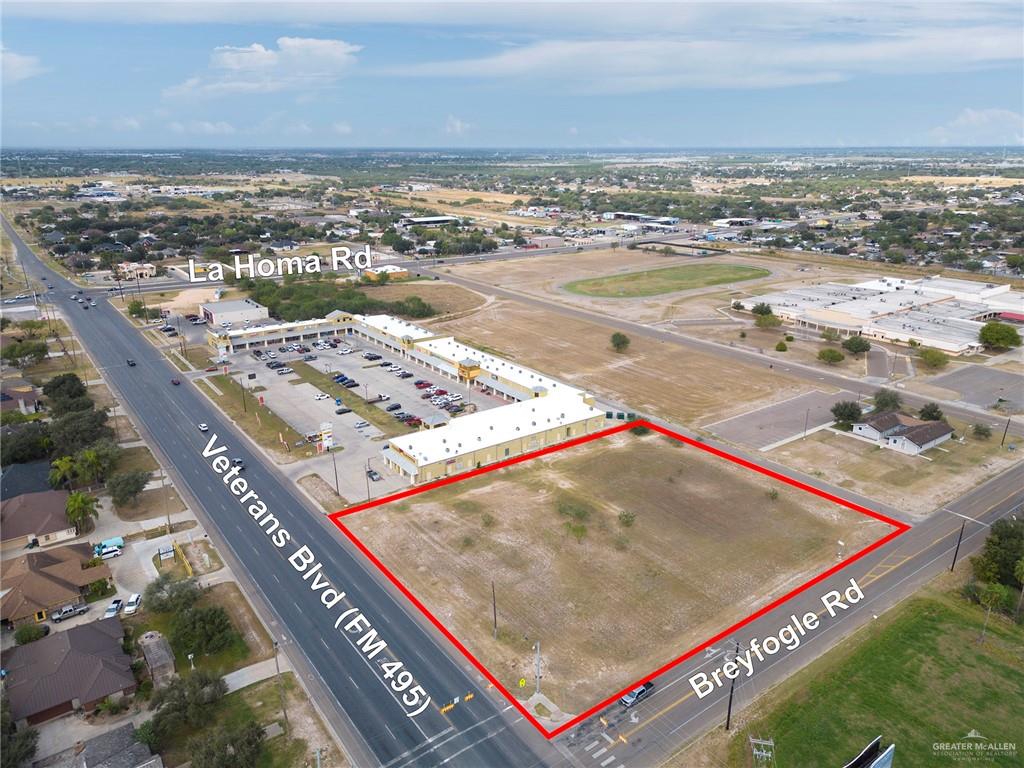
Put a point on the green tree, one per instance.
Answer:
(992, 596)
(74, 431)
(767, 321)
(1018, 573)
(933, 358)
(996, 335)
(1004, 547)
(930, 412)
(846, 412)
(761, 308)
(17, 747)
(223, 747)
(65, 406)
(781, 347)
(31, 328)
(125, 487)
(982, 431)
(831, 356)
(856, 345)
(202, 629)
(80, 508)
(620, 342)
(831, 335)
(65, 386)
(29, 633)
(23, 353)
(88, 466)
(185, 701)
(887, 400)
(166, 595)
(62, 471)
(26, 442)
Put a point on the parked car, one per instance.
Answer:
(110, 552)
(352, 384)
(426, 395)
(320, 396)
(374, 475)
(636, 695)
(132, 606)
(309, 358)
(342, 411)
(283, 371)
(361, 424)
(67, 612)
(382, 397)
(394, 407)
(405, 375)
(113, 609)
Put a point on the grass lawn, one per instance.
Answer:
(917, 676)
(653, 282)
(390, 426)
(133, 459)
(259, 422)
(151, 503)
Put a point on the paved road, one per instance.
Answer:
(372, 721)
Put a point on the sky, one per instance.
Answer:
(466, 75)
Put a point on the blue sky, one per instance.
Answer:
(535, 74)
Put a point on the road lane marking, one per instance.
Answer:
(599, 752)
(591, 745)
(610, 759)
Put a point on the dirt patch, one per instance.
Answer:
(323, 492)
(188, 300)
(203, 557)
(151, 504)
(651, 377)
(446, 298)
(650, 519)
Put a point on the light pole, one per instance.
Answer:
(334, 461)
(536, 662)
(280, 687)
(732, 688)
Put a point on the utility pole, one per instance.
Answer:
(163, 494)
(334, 461)
(280, 687)
(807, 416)
(732, 688)
(1005, 430)
(958, 540)
(367, 475)
(241, 385)
(536, 662)
(494, 606)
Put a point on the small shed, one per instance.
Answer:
(159, 657)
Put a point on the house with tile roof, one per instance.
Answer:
(40, 582)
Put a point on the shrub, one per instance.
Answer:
(772, 494)
(781, 347)
(29, 633)
(790, 337)
(831, 356)
(982, 431)
(627, 518)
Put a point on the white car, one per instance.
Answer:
(113, 609)
(204, 428)
(132, 605)
(361, 424)
(345, 351)
(321, 396)
(272, 355)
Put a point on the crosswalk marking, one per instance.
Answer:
(610, 759)
(600, 752)
(591, 745)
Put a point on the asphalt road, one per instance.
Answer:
(372, 721)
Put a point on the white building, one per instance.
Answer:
(234, 312)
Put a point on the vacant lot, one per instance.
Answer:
(914, 484)
(666, 280)
(444, 297)
(650, 377)
(918, 676)
(617, 556)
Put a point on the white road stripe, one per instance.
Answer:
(591, 745)
(599, 752)
(610, 759)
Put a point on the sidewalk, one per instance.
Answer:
(254, 673)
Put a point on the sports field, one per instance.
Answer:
(918, 677)
(653, 282)
(618, 556)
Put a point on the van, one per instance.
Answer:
(116, 541)
(109, 552)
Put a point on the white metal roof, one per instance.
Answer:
(492, 427)
(394, 326)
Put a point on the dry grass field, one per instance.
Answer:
(916, 485)
(650, 377)
(446, 298)
(618, 556)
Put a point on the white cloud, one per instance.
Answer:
(342, 128)
(203, 127)
(453, 126)
(981, 127)
(126, 124)
(298, 64)
(732, 59)
(17, 67)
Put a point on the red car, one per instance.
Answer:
(440, 392)
(423, 385)
(211, 368)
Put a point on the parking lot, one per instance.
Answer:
(769, 425)
(302, 407)
(983, 386)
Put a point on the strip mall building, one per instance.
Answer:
(542, 411)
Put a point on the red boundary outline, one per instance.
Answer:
(900, 528)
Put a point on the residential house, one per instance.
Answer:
(903, 433)
(18, 394)
(67, 671)
(40, 582)
(119, 748)
(35, 519)
(30, 477)
(283, 245)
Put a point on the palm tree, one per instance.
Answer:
(79, 508)
(62, 471)
(89, 465)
